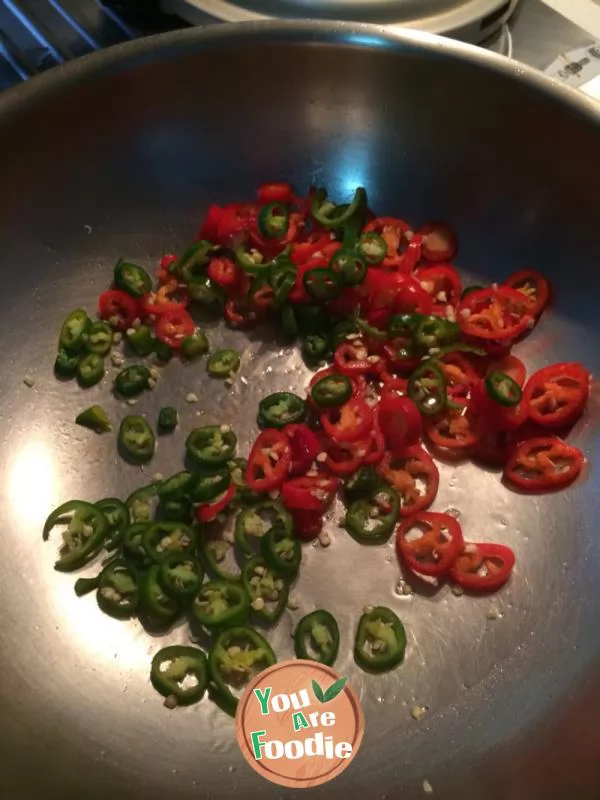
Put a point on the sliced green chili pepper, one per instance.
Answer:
(177, 510)
(175, 487)
(73, 331)
(95, 418)
(181, 576)
(289, 323)
(316, 346)
(237, 655)
(380, 640)
(133, 539)
(99, 338)
(457, 347)
(132, 381)
(324, 212)
(282, 279)
(84, 586)
(207, 485)
(118, 590)
(371, 520)
(322, 284)
(253, 523)
(84, 536)
(65, 365)
(350, 266)
(273, 220)
(180, 674)
(162, 350)
(403, 324)
(117, 516)
(427, 389)
(250, 260)
(312, 319)
(222, 363)
(168, 536)
(243, 492)
(140, 340)
(332, 391)
(221, 604)
(280, 409)
(132, 279)
(343, 329)
(155, 603)
(503, 389)
(217, 553)
(435, 332)
(267, 589)
(370, 330)
(193, 260)
(194, 345)
(281, 550)
(211, 445)
(136, 439)
(364, 481)
(317, 637)
(372, 247)
(90, 370)
(168, 419)
(141, 501)
(207, 294)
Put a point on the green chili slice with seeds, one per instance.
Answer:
(211, 445)
(136, 439)
(132, 279)
(180, 675)
(317, 637)
(380, 640)
(221, 604)
(222, 363)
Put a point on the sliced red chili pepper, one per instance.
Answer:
(163, 274)
(118, 308)
(483, 567)
(393, 385)
(307, 524)
(543, 464)
(224, 272)
(235, 218)
(347, 304)
(453, 429)
(269, 461)
(459, 372)
(400, 422)
(209, 511)
(399, 356)
(275, 193)
(403, 472)
(305, 447)
(392, 231)
(439, 241)
(407, 262)
(263, 297)
(352, 358)
(309, 493)
(556, 395)
(173, 326)
(510, 365)
(495, 414)
(434, 552)
(344, 461)
(534, 286)
(210, 226)
(347, 423)
(496, 313)
(301, 252)
(376, 443)
(442, 284)
(492, 447)
(161, 302)
(238, 315)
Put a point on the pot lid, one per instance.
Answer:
(479, 17)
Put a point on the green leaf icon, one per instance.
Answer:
(318, 692)
(334, 689)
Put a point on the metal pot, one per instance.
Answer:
(120, 154)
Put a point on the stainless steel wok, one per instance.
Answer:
(120, 154)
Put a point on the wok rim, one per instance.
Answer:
(138, 52)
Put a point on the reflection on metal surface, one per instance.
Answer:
(428, 126)
(33, 483)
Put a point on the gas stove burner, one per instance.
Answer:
(470, 20)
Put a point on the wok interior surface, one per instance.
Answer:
(121, 155)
